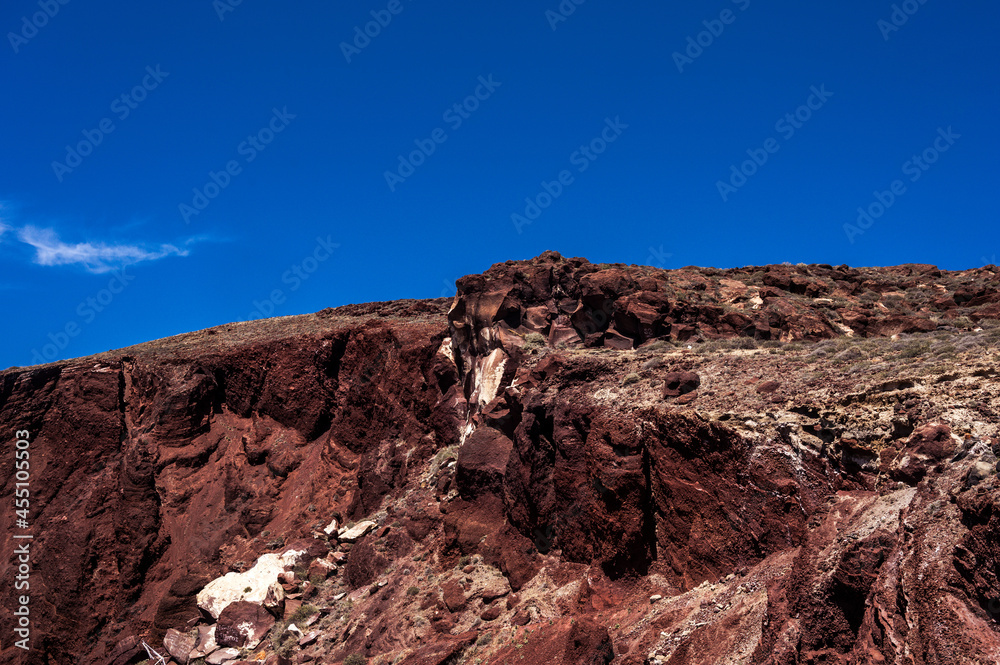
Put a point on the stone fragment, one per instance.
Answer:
(243, 624)
(979, 472)
(274, 601)
(497, 587)
(491, 613)
(222, 656)
(454, 595)
(356, 532)
(180, 645)
(676, 384)
(206, 643)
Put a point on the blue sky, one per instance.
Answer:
(265, 158)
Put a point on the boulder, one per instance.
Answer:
(979, 472)
(232, 587)
(454, 596)
(491, 613)
(676, 384)
(243, 624)
(767, 387)
(180, 645)
(497, 587)
(320, 569)
(274, 601)
(206, 643)
(222, 656)
(356, 532)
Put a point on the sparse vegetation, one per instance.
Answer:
(533, 341)
(303, 613)
(658, 345)
(412, 591)
(630, 379)
(355, 659)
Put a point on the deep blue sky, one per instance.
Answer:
(651, 197)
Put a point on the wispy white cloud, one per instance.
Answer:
(96, 257)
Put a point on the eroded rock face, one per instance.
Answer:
(510, 494)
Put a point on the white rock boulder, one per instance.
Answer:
(251, 585)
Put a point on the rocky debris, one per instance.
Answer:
(242, 624)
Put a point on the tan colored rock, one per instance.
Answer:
(274, 601)
(180, 645)
(222, 656)
(356, 532)
(206, 643)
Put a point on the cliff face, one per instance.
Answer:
(797, 464)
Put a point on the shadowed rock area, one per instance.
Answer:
(568, 463)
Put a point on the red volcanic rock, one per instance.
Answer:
(482, 462)
(767, 387)
(676, 384)
(242, 624)
(926, 447)
(491, 613)
(454, 596)
(837, 528)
